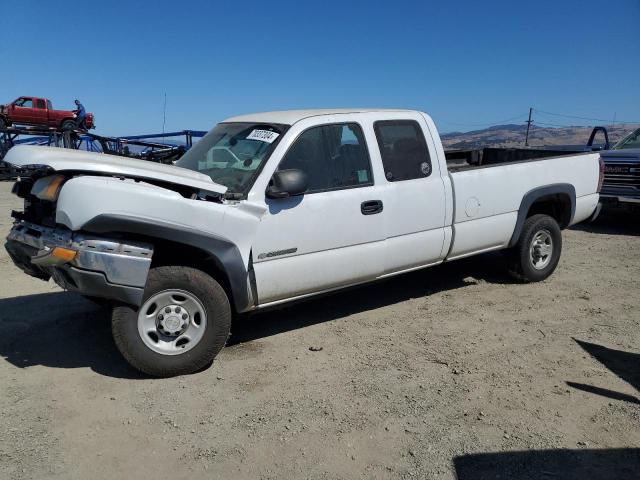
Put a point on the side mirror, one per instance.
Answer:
(287, 183)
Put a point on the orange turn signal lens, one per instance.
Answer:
(52, 189)
(47, 188)
(64, 254)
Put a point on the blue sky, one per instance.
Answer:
(467, 63)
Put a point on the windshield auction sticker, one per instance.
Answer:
(263, 136)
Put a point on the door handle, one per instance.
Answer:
(371, 207)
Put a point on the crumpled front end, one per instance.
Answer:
(90, 265)
(107, 219)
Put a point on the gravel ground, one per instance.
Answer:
(450, 372)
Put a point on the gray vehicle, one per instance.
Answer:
(622, 173)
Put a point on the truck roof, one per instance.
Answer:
(289, 117)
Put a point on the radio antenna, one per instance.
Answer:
(164, 115)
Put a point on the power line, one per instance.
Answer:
(497, 122)
(555, 124)
(583, 118)
(530, 122)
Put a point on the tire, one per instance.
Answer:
(102, 302)
(160, 353)
(537, 253)
(68, 125)
(3, 123)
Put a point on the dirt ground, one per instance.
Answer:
(450, 372)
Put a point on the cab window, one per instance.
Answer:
(24, 103)
(630, 141)
(404, 151)
(333, 156)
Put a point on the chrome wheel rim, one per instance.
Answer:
(172, 322)
(541, 250)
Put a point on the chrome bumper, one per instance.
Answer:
(102, 267)
(621, 199)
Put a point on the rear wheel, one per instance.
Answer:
(537, 253)
(183, 323)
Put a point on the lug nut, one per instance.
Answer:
(160, 317)
(184, 316)
(177, 309)
(167, 310)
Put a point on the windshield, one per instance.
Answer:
(630, 141)
(232, 154)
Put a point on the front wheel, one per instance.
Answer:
(68, 125)
(183, 323)
(537, 253)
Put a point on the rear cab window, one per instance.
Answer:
(403, 148)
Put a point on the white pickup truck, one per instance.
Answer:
(273, 207)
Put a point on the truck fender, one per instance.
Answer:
(224, 252)
(536, 194)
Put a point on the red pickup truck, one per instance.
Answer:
(39, 111)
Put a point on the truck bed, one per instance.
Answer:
(458, 160)
(487, 200)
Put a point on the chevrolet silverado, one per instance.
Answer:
(273, 207)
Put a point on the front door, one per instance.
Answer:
(23, 111)
(334, 234)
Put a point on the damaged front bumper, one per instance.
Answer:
(89, 265)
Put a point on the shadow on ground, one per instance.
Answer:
(625, 365)
(490, 268)
(604, 464)
(59, 330)
(63, 330)
(613, 221)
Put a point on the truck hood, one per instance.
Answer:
(629, 153)
(62, 159)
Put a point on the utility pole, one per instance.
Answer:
(526, 140)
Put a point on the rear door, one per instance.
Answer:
(415, 192)
(334, 234)
(40, 111)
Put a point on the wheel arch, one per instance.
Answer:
(66, 119)
(174, 253)
(557, 200)
(178, 245)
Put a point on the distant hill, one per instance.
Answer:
(513, 136)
